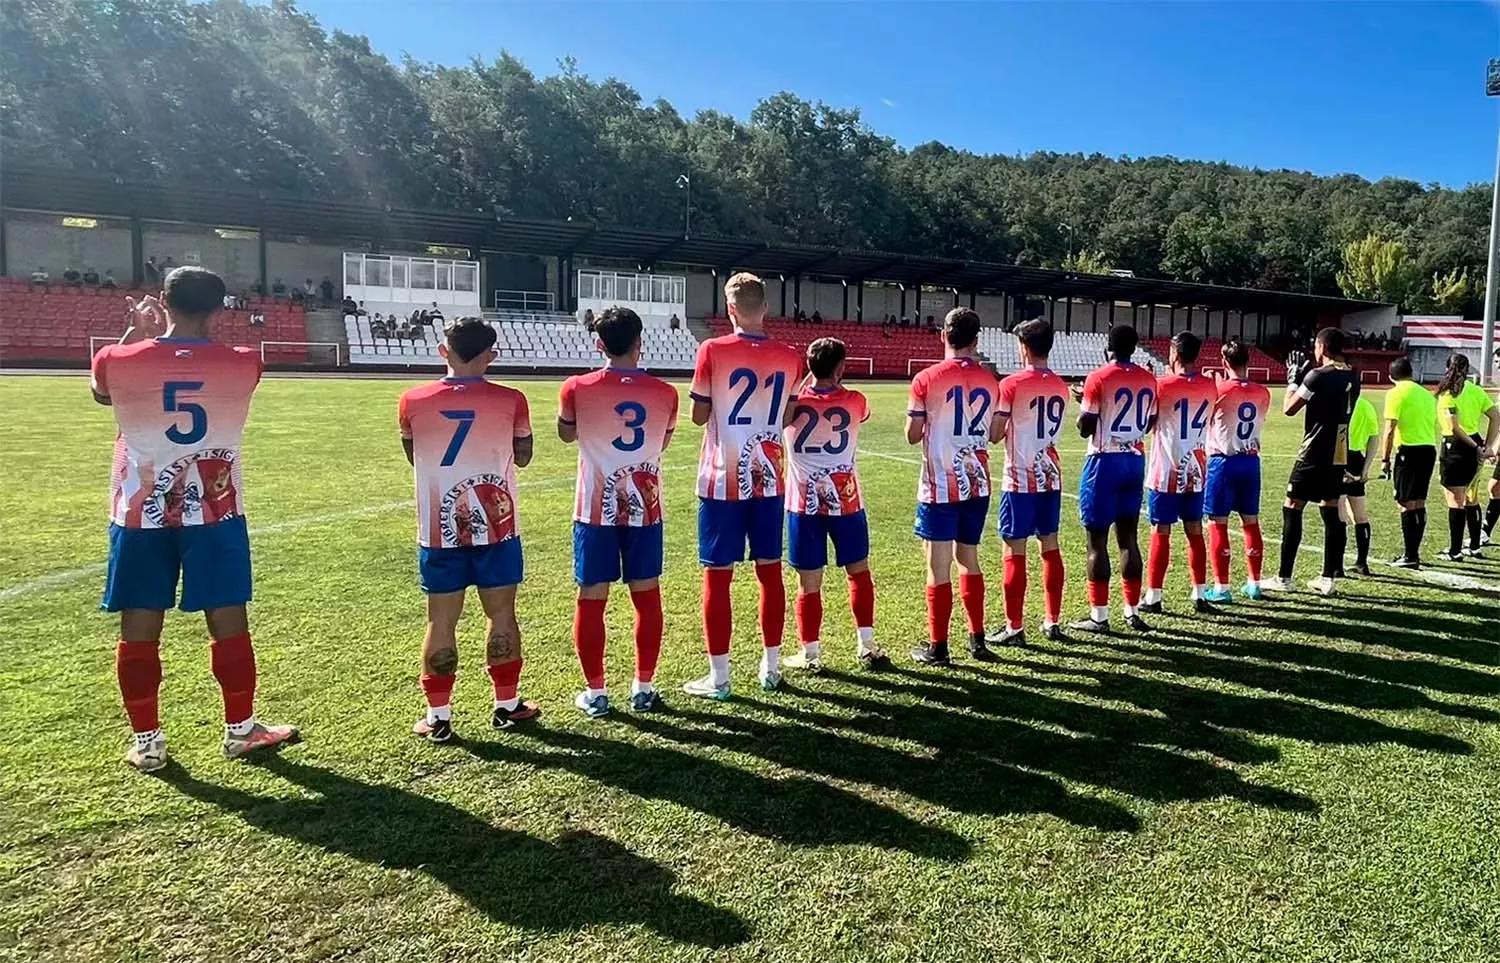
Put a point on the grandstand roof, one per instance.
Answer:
(102, 195)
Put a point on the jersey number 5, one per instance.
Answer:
(465, 421)
(198, 418)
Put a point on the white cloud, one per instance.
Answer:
(888, 101)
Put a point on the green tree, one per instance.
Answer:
(1379, 269)
(1087, 262)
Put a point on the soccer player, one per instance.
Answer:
(1364, 425)
(1328, 393)
(1030, 412)
(824, 503)
(1233, 483)
(742, 384)
(1462, 405)
(951, 413)
(622, 419)
(1119, 409)
(1177, 469)
(465, 436)
(1411, 443)
(177, 505)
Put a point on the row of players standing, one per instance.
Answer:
(181, 402)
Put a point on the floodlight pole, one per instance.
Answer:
(686, 183)
(1492, 271)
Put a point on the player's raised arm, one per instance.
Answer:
(1299, 389)
(1088, 400)
(98, 382)
(524, 441)
(567, 415)
(404, 419)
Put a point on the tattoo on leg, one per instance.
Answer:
(504, 644)
(443, 661)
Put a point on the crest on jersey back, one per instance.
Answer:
(477, 507)
(760, 464)
(971, 469)
(632, 495)
(201, 483)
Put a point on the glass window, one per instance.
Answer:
(465, 277)
(398, 273)
(422, 275)
(658, 289)
(353, 273)
(606, 287)
(444, 275)
(679, 290)
(378, 273)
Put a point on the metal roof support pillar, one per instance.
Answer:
(713, 311)
(260, 244)
(137, 253)
(1111, 312)
(782, 278)
(797, 294)
(845, 315)
(1068, 317)
(859, 302)
(1151, 321)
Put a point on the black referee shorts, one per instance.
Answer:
(1315, 483)
(1412, 472)
(1356, 467)
(1459, 463)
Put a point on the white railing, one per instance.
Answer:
(869, 364)
(915, 364)
(335, 345)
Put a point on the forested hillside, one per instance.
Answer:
(263, 96)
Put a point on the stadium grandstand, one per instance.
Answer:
(324, 283)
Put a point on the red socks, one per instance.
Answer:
(939, 611)
(1015, 591)
(862, 599)
(588, 640)
(1255, 550)
(138, 669)
(718, 625)
(1161, 557)
(1132, 590)
(438, 689)
(233, 661)
(648, 629)
(971, 590)
(1197, 557)
(1218, 548)
(1052, 585)
(1098, 594)
(772, 603)
(507, 679)
(809, 617)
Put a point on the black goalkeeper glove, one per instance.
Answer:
(1295, 376)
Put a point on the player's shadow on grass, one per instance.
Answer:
(1317, 674)
(1463, 638)
(797, 811)
(580, 880)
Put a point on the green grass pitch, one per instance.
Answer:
(1298, 780)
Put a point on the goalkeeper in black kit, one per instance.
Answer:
(1326, 389)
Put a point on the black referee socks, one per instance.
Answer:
(1476, 520)
(1291, 539)
(1457, 519)
(1335, 539)
(1413, 525)
(1491, 516)
(1362, 542)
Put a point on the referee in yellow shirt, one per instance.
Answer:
(1364, 427)
(1410, 455)
(1462, 406)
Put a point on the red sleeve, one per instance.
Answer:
(566, 411)
(702, 387)
(1006, 396)
(98, 367)
(523, 417)
(916, 401)
(671, 408)
(403, 416)
(864, 407)
(1091, 392)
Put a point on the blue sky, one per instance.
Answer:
(1375, 89)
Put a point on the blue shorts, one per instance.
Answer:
(725, 528)
(1233, 485)
(446, 570)
(1168, 508)
(1111, 488)
(961, 522)
(144, 562)
(609, 553)
(808, 537)
(1024, 514)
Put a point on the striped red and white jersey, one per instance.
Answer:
(181, 405)
(748, 380)
(955, 399)
(1034, 401)
(1239, 415)
(822, 440)
(1179, 448)
(624, 418)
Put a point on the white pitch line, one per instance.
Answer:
(1446, 579)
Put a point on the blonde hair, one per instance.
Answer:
(745, 290)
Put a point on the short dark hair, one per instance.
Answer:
(193, 292)
(1332, 340)
(1235, 353)
(1036, 335)
(1400, 369)
(824, 357)
(1188, 346)
(961, 327)
(1122, 341)
(469, 338)
(619, 328)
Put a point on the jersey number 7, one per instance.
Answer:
(465, 421)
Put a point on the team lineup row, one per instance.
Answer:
(777, 476)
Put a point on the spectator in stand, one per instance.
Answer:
(905, 320)
(327, 288)
(297, 295)
(278, 288)
(108, 281)
(817, 317)
(152, 274)
(403, 331)
(90, 277)
(415, 319)
(436, 314)
(349, 307)
(228, 301)
(309, 290)
(377, 327)
(931, 325)
(588, 319)
(676, 322)
(40, 277)
(257, 320)
(72, 277)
